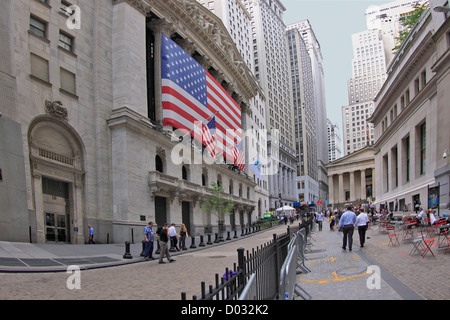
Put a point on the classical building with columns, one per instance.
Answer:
(351, 179)
(82, 140)
(411, 119)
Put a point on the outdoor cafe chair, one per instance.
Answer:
(408, 230)
(437, 227)
(418, 246)
(428, 244)
(444, 240)
(393, 237)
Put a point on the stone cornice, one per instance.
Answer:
(211, 39)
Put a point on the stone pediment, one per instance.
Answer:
(362, 155)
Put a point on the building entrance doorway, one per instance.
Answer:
(160, 211)
(186, 215)
(56, 210)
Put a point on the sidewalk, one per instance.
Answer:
(18, 257)
(343, 274)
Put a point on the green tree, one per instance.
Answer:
(408, 22)
(218, 204)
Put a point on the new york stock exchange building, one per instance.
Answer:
(83, 133)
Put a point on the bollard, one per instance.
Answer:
(242, 233)
(193, 246)
(201, 244)
(217, 239)
(209, 239)
(127, 254)
(235, 234)
(228, 236)
(143, 248)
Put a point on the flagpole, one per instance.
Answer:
(207, 120)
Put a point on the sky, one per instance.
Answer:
(333, 22)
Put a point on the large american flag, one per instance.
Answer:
(190, 94)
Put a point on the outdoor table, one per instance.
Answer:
(408, 231)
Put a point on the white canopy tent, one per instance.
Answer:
(285, 208)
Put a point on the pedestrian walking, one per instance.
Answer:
(362, 223)
(183, 234)
(173, 238)
(163, 240)
(332, 221)
(319, 219)
(91, 235)
(149, 240)
(347, 226)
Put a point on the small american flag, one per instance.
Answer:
(190, 94)
(238, 155)
(209, 137)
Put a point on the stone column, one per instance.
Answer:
(129, 58)
(331, 190)
(374, 194)
(363, 184)
(352, 186)
(159, 27)
(341, 188)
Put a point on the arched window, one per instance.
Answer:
(159, 164)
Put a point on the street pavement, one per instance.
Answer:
(37, 271)
(344, 275)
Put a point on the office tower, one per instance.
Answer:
(334, 141)
(312, 44)
(305, 117)
(271, 71)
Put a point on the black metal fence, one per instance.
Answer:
(264, 261)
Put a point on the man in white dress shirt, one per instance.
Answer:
(362, 223)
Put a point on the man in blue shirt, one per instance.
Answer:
(91, 235)
(149, 238)
(347, 226)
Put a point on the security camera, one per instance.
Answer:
(443, 156)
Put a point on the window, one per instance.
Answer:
(65, 41)
(423, 147)
(64, 8)
(38, 26)
(385, 173)
(39, 67)
(68, 82)
(394, 167)
(159, 164)
(424, 78)
(407, 159)
(184, 173)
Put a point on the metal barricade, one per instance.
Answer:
(288, 277)
(250, 290)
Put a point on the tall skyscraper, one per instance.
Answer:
(238, 22)
(334, 141)
(271, 71)
(305, 117)
(312, 45)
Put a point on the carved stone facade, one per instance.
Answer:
(100, 157)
